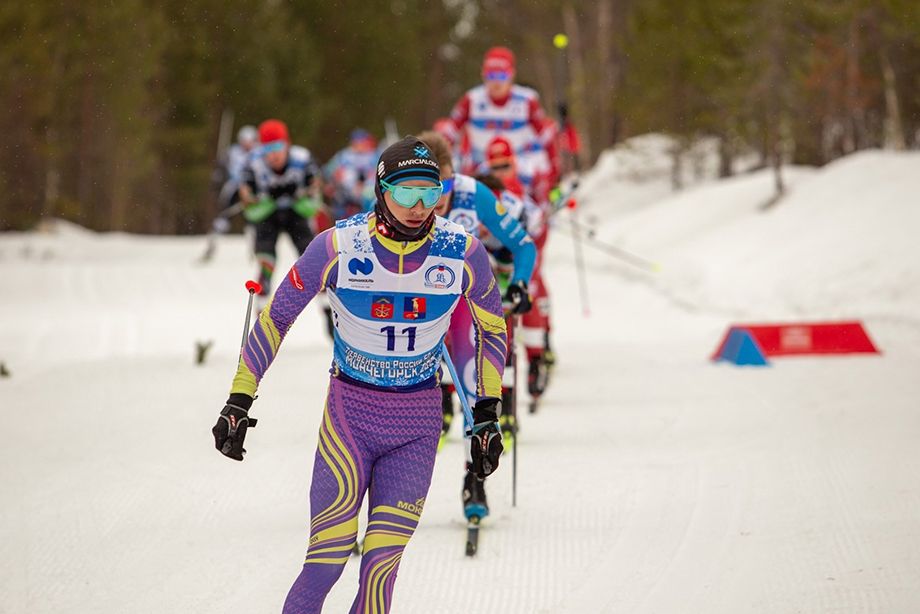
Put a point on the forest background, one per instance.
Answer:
(110, 110)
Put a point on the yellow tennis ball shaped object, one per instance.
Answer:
(561, 41)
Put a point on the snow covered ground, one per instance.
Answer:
(652, 481)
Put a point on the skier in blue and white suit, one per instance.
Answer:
(472, 205)
(349, 175)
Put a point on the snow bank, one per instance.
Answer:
(841, 244)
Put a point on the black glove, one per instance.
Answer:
(486, 442)
(516, 295)
(230, 430)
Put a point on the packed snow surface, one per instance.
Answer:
(650, 481)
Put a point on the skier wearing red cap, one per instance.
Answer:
(502, 165)
(500, 107)
(279, 190)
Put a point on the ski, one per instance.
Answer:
(619, 253)
(472, 535)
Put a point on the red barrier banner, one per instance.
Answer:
(811, 338)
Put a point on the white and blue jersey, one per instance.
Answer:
(389, 326)
(473, 204)
(237, 158)
(283, 187)
(353, 175)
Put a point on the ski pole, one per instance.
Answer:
(464, 402)
(560, 199)
(511, 363)
(560, 42)
(579, 260)
(253, 287)
(514, 392)
(621, 254)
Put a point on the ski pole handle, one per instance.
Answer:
(458, 384)
(253, 287)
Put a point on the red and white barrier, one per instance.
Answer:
(792, 339)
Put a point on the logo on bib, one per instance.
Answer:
(382, 307)
(364, 266)
(439, 276)
(464, 219)
(414, 308)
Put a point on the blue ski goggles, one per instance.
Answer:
(273, 146)
(447, 185)
(406, 196)
(497, 75)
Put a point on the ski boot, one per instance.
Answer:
(474, 497)
(537, 376)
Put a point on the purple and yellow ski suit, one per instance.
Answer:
(392, 303)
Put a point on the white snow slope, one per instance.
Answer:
(651, 481)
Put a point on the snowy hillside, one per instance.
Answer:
(841, 244)
(652, 481)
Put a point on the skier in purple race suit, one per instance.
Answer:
(394, 277)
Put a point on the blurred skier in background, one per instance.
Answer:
(499, 107)
(231, 171)
(279, 189)
(535, 332)
(349, 176)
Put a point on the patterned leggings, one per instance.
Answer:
(381, 442)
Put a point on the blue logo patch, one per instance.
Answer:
(364, 266)
(439, 276)
(421, 152)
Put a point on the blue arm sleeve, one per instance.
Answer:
(507, 230)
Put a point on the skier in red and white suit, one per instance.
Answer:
(499, 107)
(502, 164)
